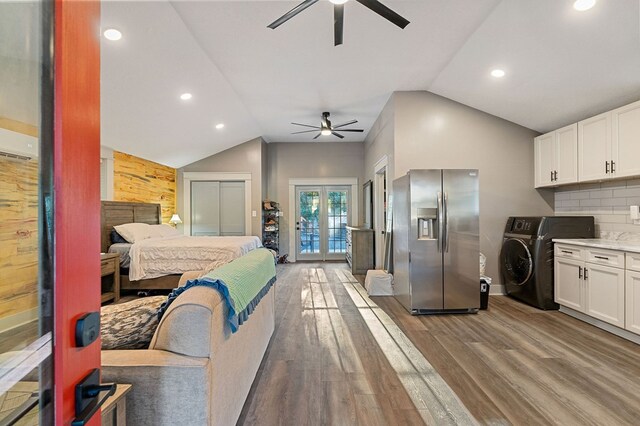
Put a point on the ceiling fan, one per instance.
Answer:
(326, 128)
(338, 15)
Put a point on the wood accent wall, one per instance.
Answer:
(139, 180)
(18, 236)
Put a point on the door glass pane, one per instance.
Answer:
(309, 222)
(337, 210)
(26, 110)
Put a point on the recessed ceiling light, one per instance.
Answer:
(186, 96)
(112, 34)
(498, 73)
(582, 5)
(220, 126)
(338, 1)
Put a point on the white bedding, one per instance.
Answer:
(156, 257)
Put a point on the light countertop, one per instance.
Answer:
(632, 246)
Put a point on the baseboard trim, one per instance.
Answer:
(497, 290)
(635, 338)
(16, 320)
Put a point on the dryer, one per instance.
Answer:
(526, 258)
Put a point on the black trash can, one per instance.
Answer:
(485, 285)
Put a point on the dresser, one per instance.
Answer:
(360, 250)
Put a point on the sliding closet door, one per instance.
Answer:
(217, 208)
(205, 208)
(232, 208)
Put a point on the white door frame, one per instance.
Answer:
(293, 182)
(379, 224)
(188, 177)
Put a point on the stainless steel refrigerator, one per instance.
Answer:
(436, 241)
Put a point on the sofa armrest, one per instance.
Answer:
(167, 388)
(191, 275)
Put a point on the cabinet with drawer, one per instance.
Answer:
(359, 254)
(591, 281)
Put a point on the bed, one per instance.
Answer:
(158, 263)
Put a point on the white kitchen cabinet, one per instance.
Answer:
(594, 148)
(605, 293)
(626, 140)
(544, 147)
(632, 305)
(569, 284)
(556, 157)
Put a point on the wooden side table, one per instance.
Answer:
(110, 273)
(114, 410)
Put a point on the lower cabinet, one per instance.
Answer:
(605, 293)
(632, 306)
(569, 284)
(591, 288)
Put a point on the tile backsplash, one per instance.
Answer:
(608, 202)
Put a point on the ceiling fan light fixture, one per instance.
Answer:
(338, 1)
(325, 132)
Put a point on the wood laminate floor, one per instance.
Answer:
(513, 364)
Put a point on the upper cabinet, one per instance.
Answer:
(625, 155)
(594, 148)
(556, 157)
(606, 146)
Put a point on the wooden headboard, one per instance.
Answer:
(115, 213)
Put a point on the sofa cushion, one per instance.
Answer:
(130, 325)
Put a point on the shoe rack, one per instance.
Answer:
(271, 225)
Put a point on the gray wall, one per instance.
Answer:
(309, 160)
(245, 158)
(430, 131)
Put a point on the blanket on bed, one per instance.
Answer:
(155, 257)
(242, 283)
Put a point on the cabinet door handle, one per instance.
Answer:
(580, 272)
(601, 257)
(551, 172)
(555, 175)
(606, 167)
(586, 276)
(566, 251)
(613, 166)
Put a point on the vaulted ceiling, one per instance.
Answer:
(561, 66)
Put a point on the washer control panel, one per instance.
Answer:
(523, 225)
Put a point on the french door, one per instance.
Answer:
(322, 214)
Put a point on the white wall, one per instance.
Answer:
(607, 202)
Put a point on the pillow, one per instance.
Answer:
(117, 238)
(162, 231)
(133, 232)
(130, 325)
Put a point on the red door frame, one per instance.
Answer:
(76, 194)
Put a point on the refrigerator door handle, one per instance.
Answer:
(446, 223)
(440, 223)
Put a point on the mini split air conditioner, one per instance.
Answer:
(18, 145)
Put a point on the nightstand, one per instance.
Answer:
(110, 273)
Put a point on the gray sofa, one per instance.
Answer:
(195, 372)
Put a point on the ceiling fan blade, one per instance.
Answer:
(345, 124)
(338, 135)
(306, 125)
(290, 14)
(317, 136)
(350, 130)
(385, 12)
(338, 23)
(304, 131)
